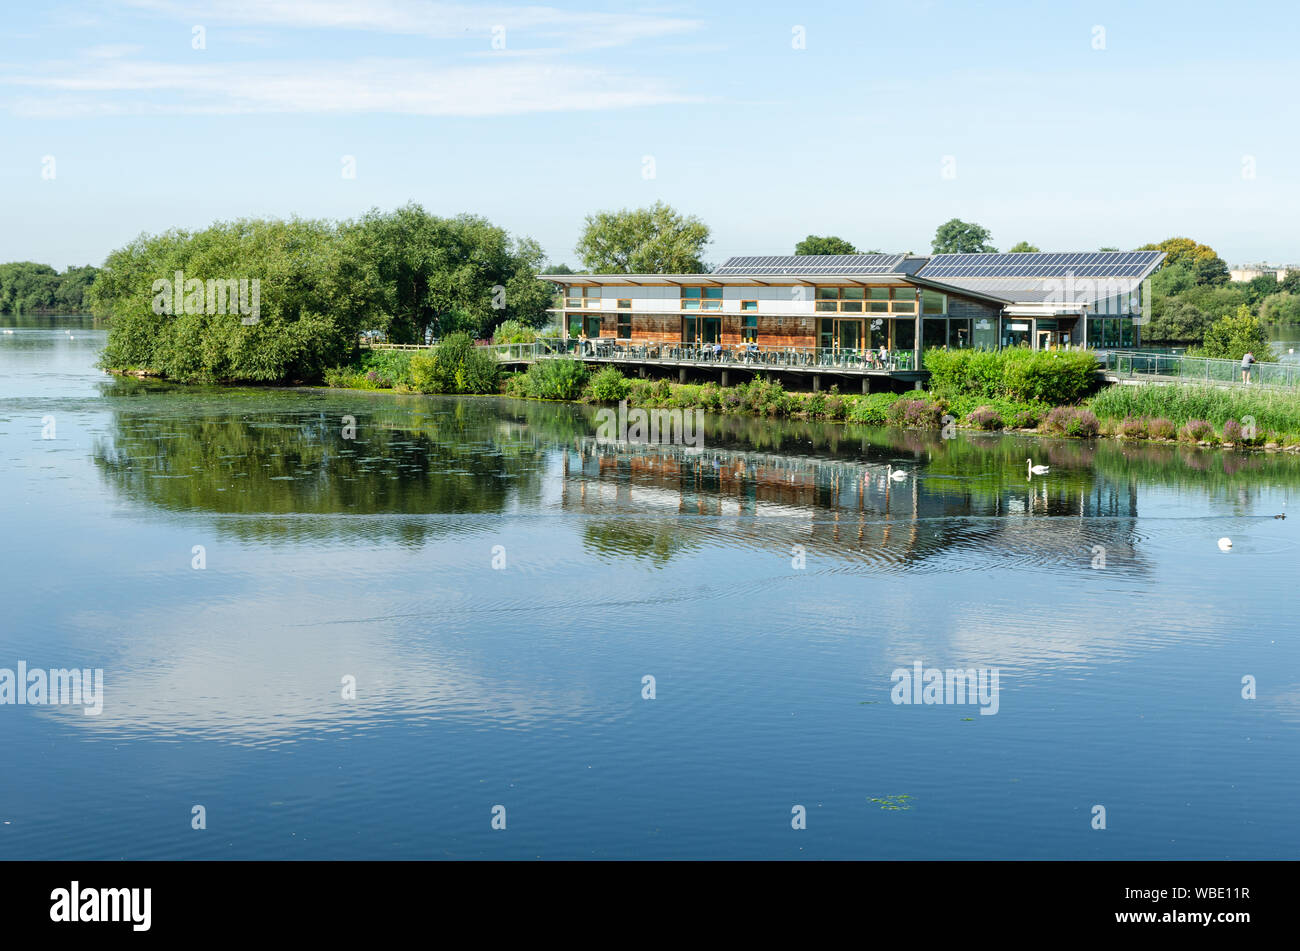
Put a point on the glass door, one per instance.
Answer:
(711, 329)
(850, 334)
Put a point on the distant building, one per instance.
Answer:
(1248, 272)
(866, 301)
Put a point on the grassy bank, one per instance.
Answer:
(1050, 394)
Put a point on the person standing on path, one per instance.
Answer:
(1246, 361)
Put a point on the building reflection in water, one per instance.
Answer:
(848, 505)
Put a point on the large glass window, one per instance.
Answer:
(1111, 332)
(1126, 331)
(690, 330)
(935, 333)
(701, 298)
(826, 333)
(1015, 331)
(749, 328)
(933, 304)
(582, 297)
(904, 301)
(592, 326)
(959, 334)
(872, 300)
(904, 334)
(624, 326)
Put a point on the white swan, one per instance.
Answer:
(1036, 470)
(898, 475)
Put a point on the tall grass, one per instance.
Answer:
(1272, 410)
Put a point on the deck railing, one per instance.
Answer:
(1137, 364)
(677, 353)
(739, 356)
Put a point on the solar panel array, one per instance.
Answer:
(1080, 264)
(813, 264)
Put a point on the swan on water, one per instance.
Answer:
(1036, 470)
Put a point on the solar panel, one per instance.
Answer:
(1032, 264)
(812, 264)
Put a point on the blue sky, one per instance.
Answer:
(1185, 123)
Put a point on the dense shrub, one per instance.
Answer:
(455, 366)
(1026, 419)
(513, 331)
(1070, 421)
(1196, 430)
(561, 379)
(915, 414)
(1018, 373)
(1132, 427)
(1232, 432)
(984, 417)
(1161, 428)
(873, 409)
(391, 365)
(609, 386)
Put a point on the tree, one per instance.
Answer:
(654, 240)
(815, 244)
(1261, 287)
(414, 274)
(960, 237)
(1233, 337)
(1212, 271)
(1283, 308)
(1108, 249)
(1021, 247)
(1208, 267)
(558, 269)
(1178, 320)
(320, 284)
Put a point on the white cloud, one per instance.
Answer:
(412, 87)
(434, 20)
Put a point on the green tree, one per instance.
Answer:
(1208, 267)
(1233, 337)
(1283, 308)
(816, 244)
(1179, 320)
(412, 274)
(558, 269)
(1257, 289)
(1021, 247)
(301, 324)
(654, 240)
(1108, 249)
(961, 237)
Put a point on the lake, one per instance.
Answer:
(496, 584)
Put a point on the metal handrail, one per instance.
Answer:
(1205, 370)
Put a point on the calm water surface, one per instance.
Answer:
(373, 558)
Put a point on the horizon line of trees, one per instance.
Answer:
(27, 287)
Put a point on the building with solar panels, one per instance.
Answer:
(866, 302)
